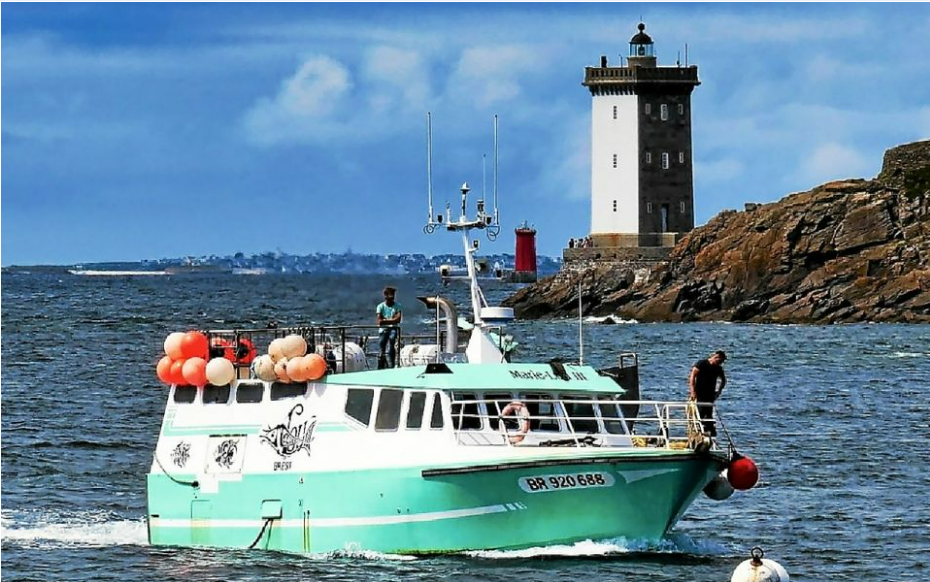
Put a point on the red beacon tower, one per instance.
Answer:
(524, 270)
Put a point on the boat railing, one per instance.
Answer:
(330, 341)
(672, 425)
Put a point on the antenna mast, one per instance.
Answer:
(496, 216)
(429, 165)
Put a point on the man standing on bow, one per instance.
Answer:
(703, 387)
(389, 314)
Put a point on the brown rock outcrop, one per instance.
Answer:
(846, 251)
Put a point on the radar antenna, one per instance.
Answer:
(430, 225)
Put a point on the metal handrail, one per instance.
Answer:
(666, 422)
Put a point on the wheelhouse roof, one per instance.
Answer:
(486, 377)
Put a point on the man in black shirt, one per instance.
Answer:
(704, 389)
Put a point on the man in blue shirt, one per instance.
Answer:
(389, 313)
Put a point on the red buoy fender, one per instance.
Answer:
(742, 473)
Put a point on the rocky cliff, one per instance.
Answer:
(846, 251)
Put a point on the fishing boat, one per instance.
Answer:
(456, 449)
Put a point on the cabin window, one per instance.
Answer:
(615, 205)
(435, 418)
(465, 412)
(415, 409)
(280, 391)
(358, 404)
(615, 112)
(495, 403)
(542, 412)
(615, 160)
(215, 394)
(184, 394)
(610, 413)
(581, 414)
(388, 417)
(250, 393)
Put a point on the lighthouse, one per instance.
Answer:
(641, 158)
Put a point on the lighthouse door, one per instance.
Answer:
(663, 216)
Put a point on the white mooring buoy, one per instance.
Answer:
(758, 570)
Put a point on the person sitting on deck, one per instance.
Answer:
(703, 387)
(389, 314)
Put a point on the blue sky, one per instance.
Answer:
(147, 131)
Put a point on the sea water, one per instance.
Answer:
(837, 418)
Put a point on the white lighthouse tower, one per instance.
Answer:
(641, 172)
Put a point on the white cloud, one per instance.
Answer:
(396, 78)
(305, 105)
(833, 161)
(492, 75)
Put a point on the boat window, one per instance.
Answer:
(581, 414)
(435, 419)
(465, 414)
(495, 403)
(388, 417)
(358, 404)
(184, 394)
(215, 394)
(609, 410)
(280, 391)
(250, 393)
(415, 410)
(542, 413)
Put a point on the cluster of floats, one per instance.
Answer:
(310, 448)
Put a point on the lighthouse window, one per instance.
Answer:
(649, 208)
(388, 417)
(184, 394)
(663, 112)
(415, 409)
(681, 109)
(215, 394)
(681, 157)
(358, 404)
(648, 108)
(683, 208)
(664, 160)
(615, 112)
(648, 157)
(615, 160)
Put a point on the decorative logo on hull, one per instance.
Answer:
(180, 454)
(287, 439)
(225, 453)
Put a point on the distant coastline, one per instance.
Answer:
(279, 263)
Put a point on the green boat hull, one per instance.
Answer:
(419, 510)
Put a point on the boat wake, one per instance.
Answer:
(88, 529)
(674, 544)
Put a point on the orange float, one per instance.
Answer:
(195, 345)
(194, 371)
(315, 366)
(163, 369)
(176, 375)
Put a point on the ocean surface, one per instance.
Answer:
(837, 419)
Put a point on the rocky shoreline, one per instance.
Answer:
(847, 251)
